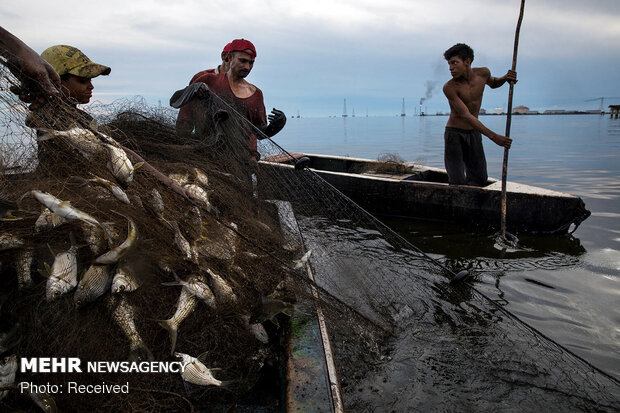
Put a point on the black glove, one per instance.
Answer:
(277, 120)
(193, 91)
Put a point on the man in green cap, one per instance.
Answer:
(76, 71)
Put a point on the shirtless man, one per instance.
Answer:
(464, 155)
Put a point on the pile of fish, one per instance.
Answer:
(99, 264)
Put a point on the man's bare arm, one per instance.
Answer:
(495, 82)
(29, 62)
(460, 110)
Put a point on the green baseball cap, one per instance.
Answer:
(68, 59)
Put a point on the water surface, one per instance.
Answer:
(567, 287)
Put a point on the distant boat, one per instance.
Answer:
(297, 113)
(402, 113)
(344, 111)
(353, 113)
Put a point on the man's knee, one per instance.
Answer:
(456, 172)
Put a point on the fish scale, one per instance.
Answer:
(93, 284)
(185, 306)
(120, 251)
(124, 316)
(196, 372)
(63, 274)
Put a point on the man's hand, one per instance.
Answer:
(40, 71)
(511, 77)
(193, 91)
(502, 140)
(277, 120)
(38, 78)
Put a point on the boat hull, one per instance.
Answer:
(423, 193)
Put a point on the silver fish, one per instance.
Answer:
(93, 285)
(65, 210)
(201, 178)
(8, 368)
(195, 285)
(223, 290)
(23, 262)
(9, 242)
(257, 330)
(185, 306)
(46, 221)
(124, 281)
(137, 201)
(112, 187)
(120, 251)
(196, 372)
(155, 202)
(180, 179)
(63, 273)
(82, 140)
(182, 243)
(239, 271)
(197, 193)
(124, 316)
(119, 164)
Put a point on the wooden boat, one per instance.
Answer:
(422, 192)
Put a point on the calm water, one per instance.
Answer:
(567, 287)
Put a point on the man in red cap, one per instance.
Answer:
(246, 98)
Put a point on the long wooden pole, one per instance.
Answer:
(509, 119)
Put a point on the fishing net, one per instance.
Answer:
(404, 339)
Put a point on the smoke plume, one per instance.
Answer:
(430, 85)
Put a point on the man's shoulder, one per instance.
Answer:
(449, 86)
(201, 76)
(481, 71)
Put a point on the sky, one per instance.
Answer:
(311, 55)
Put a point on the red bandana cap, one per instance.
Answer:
(242, 45)
(227, 48)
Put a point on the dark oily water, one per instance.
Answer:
(450, 345)
(566, 287)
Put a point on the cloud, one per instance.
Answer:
(323, 49)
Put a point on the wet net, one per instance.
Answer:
(199, 215)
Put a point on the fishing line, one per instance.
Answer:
(540, 333)
(400, 238)
(359, 208)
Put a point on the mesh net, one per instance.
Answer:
(404, 338)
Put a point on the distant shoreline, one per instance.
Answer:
(576, 112)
